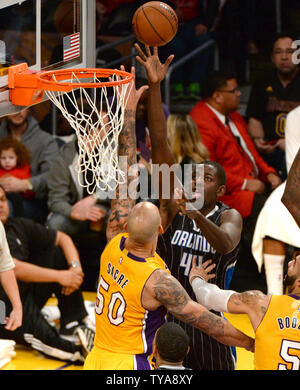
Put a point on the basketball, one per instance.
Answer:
(155, 23)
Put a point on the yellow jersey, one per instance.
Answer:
(123, 325)
(277, 338)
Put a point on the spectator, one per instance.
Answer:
(171, 344)
(185, 140)
(46, 262)
(15, 161)
(193, 32)
(249, 178)
(77, 213)
(272, 97)
(276, 229)
(235, 32)
(116, 16)
(72, 209)
(13, 320)
(43, 149)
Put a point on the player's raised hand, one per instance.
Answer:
(156, 71)
(133, 94)
(184, 204)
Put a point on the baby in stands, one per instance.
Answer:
(15, 161)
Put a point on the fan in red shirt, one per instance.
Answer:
(15, 161)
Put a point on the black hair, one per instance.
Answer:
(281, 35)
(172, 342)
(215, 81)
(221, 175)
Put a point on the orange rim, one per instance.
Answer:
(27, 88)
(49, 83)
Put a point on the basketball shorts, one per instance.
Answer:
(99, 359)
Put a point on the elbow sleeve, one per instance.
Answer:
(210, 295)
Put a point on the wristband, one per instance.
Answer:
(74, 264)
(210, 295)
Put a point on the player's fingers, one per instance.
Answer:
(206, 263)
(140, 51)
(8, 323)
(194, 261)
(169, 60)
(211, 276)
(210, 268)
(155, 51)
(148, 51)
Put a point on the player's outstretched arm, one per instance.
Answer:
(121, 205)
(156, 71)
(290, 196)
(253, 303)
(163, 289)
(157, 124)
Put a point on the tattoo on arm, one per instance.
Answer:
(127, 148)
(169, 292)
(249, 298)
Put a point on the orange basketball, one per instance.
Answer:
(155, 23)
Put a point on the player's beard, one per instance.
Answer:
(289, 280)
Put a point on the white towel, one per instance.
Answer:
(7, 351)
(276, 222)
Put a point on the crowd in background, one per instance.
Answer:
(37, 169)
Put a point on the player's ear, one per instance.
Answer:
(160, 230)
(221, 190)
(125, 226)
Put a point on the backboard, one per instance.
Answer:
(45, 34)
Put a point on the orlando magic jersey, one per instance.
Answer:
(177, 246)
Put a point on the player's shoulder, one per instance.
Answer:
(117, 240)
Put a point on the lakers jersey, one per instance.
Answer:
(277, 338)
(123, 325)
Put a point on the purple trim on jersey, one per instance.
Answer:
(293, 296)
(155, 319)
(131, 255)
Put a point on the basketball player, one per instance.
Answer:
(135, 287)
(275, 318)
(170, 346)
(212, 232)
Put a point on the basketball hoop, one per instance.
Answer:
(93, 101)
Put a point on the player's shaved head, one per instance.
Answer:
(143, 222)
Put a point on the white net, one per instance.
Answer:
(97, 116)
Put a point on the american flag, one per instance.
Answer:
(71, 46)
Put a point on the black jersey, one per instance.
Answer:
(270, 102)
(177, 246)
